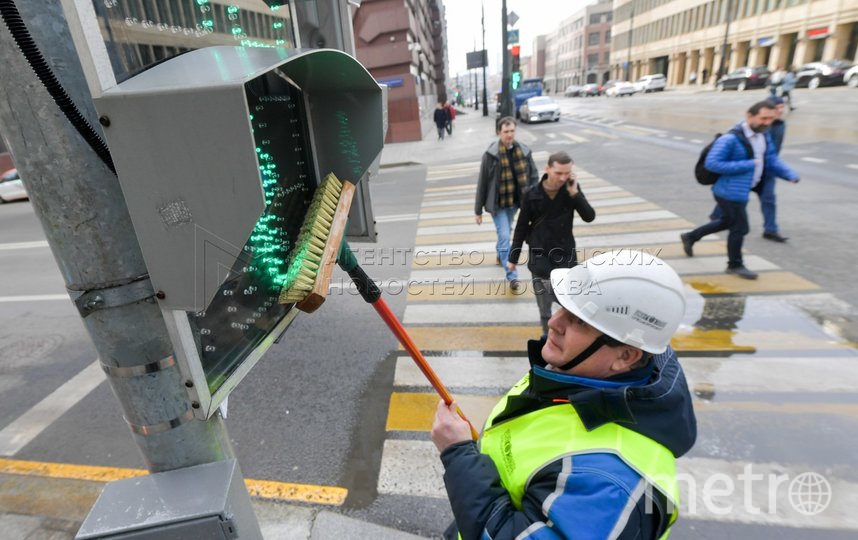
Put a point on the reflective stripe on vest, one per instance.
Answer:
(522, 446)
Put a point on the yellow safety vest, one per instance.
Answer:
(522, 446)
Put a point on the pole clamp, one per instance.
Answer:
(112, 295)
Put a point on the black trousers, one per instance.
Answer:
(734, 217)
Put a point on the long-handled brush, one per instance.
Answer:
(319, 245)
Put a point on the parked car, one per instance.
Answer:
(11, 187)
(619, 89)
(816, 74)
(651, 83)
(744, 78)
(851, 77)
(539, 109)
(573, 90)
(591, 90)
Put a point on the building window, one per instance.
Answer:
(608, 36)
(607, 57)
(595, 18)
(593, 38)
(592, 60)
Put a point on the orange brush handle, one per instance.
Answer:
(393, 323)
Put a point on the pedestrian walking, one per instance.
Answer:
(741, 156)
(506, 170)
(440, 118)
(765, 189)
(787, 86)
(545, 222)
(451, 115)
(585, 445)
(775, 81)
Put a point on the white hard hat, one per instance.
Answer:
(628, 295)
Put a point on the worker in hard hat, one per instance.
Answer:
(585, 445)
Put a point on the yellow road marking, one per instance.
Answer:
(665, 251)
(448, 208)
(599, 134)
(768, 282)
(412, 411)
(487, 234)
(264, 489)
(514, 338)
(594, 229)
(487, 218)
(609, 195)
(575, 138)
(462, 290)
(416, 411)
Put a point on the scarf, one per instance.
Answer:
(508, 191)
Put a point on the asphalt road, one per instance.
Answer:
(314, 410)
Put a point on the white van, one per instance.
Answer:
(651, 83)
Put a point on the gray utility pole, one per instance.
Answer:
(485, 88)
(721, 65)
(506, 97)
(80, 206)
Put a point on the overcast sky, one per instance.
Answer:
(535, 17)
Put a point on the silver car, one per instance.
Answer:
(11, 187)
(539, 109)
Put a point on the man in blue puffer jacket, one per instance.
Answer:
(742, 156)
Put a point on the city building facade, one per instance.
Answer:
(679, 38)
(402, 43)
(578, 51)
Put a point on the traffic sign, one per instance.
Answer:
(512, 37)
(511, 18)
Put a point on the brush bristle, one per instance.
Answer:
(306, 257)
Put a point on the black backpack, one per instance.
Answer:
(706, 177)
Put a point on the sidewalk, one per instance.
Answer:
(472, 134)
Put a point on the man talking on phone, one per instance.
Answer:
(545, 223)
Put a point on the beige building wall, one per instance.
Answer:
(681, 37)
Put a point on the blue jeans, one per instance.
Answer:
(734, 216)
(503, 219)
(766, 191)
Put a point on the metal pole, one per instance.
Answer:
(80, 206)
(631, 35)
(485, 87)
(506, 97)
(721, 69)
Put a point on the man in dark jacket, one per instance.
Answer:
(584, 446)
(440, 118)
(766, 188)
(742, 157)
(506, 170)
(545, 222)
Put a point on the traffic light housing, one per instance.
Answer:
(515, 53)
(218, 152)
(515, 50)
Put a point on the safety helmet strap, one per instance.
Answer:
(586, 353)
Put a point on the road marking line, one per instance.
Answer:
(34, 298)
(575, 138)
(599, 134)
(696, 141)
(494, 373)
(814, 160)
(29, 425)
(677, 138)
(263, 489)
(852, 166)
(24, 245)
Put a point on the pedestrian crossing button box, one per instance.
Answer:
(219, 152)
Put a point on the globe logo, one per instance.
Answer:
(809, 493)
